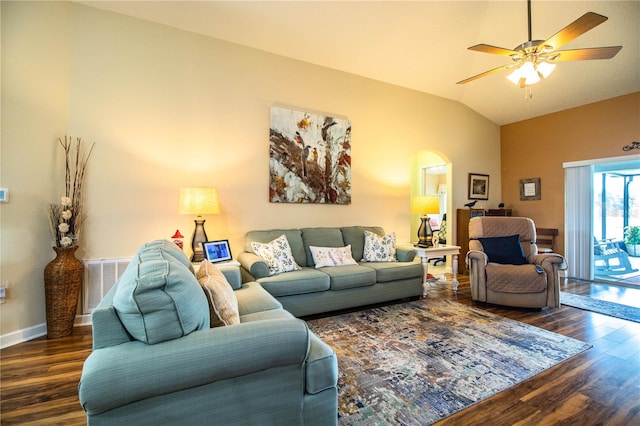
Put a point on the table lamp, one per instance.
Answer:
(198, 201)
(424, 205)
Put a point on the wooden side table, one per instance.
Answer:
(434, 252)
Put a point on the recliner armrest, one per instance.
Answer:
(549, 260)
(478, 256)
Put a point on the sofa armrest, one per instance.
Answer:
(107, 329)
(254, 264)
(405, 254)
(134, 371)
(232, 274)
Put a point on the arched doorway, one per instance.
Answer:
(431, 175)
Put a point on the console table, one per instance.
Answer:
(435, 252)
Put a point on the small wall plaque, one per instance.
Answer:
(530, 189)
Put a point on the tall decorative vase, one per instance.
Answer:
(62, 281)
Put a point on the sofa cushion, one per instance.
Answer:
(379, 249)
(354, 236)
(331, 256)
(306, 280)
(223, 304)
(157, 298)
(504, 250)
(392, 271)
(294, 237)
(272, 314)
(320, 237)
(277, 254)
(350, 276)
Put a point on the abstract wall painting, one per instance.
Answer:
(309, 158)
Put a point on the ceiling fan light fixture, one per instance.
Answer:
(525, 72)
(545, 68)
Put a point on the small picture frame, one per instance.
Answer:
(530, 189)
(478, 186)
(4, 195)
(217, 251)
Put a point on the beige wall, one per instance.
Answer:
(168, 109)
(538, 148)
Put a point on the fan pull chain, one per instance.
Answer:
(528, 92)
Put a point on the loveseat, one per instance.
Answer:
(156, 360)
(309, 289)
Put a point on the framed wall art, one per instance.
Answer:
(530, 189)
(478, 186)
(309, 158)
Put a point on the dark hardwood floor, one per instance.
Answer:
(598, 387)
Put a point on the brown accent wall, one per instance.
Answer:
(538, 147)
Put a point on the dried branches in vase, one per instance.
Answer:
(66, 217)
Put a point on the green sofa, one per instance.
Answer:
(155, 360)
(313, 290)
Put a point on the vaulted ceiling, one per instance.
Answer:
(422, 45)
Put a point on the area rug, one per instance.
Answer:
(605, 307)
(418, 362)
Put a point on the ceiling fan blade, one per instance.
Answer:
(584, 54)
(475, 77)
(486, 48)
(575, 29)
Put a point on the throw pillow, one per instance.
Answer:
(379, 249)
(332, 256)
(223, 303)
(277, 254)
(505, 250)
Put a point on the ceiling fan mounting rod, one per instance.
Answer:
(529, 18)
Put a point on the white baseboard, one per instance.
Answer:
(36, 331)
(23, 335)
(82, 320)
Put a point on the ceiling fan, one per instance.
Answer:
(534, 60)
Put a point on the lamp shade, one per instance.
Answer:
(529, 73)
(198, 201)
(425, 204)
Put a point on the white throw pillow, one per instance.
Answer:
(332, 256)
(277, 254)
(379, 249)
(223, 303)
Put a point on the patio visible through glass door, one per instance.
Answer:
(616, 196)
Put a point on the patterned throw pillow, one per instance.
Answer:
(332, 256)
(379, 249)
(277, 254)
(223, 304)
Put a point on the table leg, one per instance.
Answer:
(425, 274)
(454, 267)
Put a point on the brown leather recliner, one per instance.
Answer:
(505, 266)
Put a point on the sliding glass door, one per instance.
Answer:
(602, 197)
